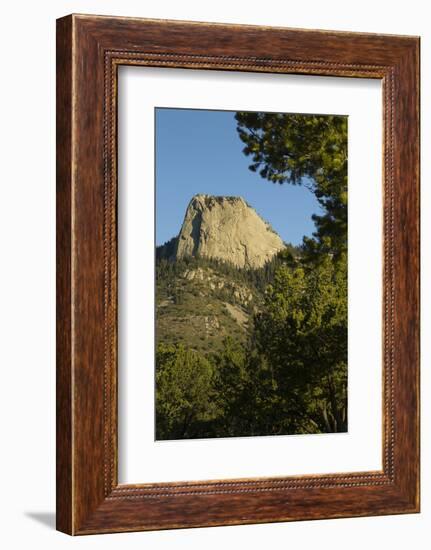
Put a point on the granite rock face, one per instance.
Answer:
(228, 229)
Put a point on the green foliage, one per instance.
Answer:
(308, 150)
(166, 250)
(168, 270)
(183, 392)
(230, 384)
(193, 310)
(290, 378)
(302, 333)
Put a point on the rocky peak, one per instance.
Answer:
(228, 229)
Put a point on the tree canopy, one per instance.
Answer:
(183, 392)
(308, 150)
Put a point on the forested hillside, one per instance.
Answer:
(250, 352)
(201, 301)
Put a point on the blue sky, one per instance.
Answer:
(199, 151)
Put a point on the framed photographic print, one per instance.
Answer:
(237, 274)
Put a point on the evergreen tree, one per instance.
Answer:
(184, 392)
(302, 334)
(308, 150)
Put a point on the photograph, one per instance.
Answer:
(251, 273)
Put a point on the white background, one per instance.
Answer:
(27, 122)
(141, 458)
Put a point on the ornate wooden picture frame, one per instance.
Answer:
(89, 51)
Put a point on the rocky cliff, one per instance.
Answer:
(228, 229)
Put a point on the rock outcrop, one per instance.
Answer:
(228, 229)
